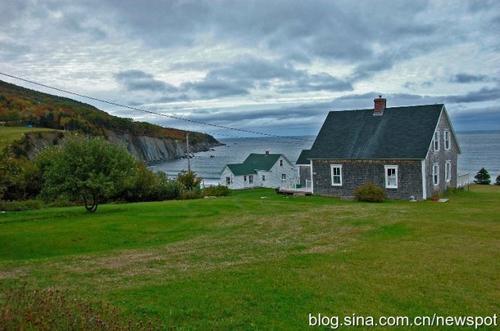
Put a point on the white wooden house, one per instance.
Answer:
(260, 170)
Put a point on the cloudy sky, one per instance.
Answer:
(273, 66)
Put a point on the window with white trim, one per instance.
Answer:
(447, 170)
(447, 142)
(336, 173)
(283, 176)
(263, 178)
(281, 163)
(435, 173)
(250, 179)
(244, 178)
(228, 180)
(435, 141)
(391, 176)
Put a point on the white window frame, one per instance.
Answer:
(250, 179)
(281, 163)
(336, 166)
(283, 177)
(263, 178)
(228, 180)
(396, 174)
(447, 140)
(447, 171)
(435, 174)
(436, 141)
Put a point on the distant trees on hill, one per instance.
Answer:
(20, 106)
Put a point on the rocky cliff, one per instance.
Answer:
(144, 148)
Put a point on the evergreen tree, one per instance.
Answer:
(498, 180)
(482, 177)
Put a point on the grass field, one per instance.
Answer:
(11, 134)
(257, 260)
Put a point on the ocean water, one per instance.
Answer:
(479, 149)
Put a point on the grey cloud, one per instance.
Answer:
(12, 50)
(468, 78)
(215, 88)
(484, 94)
(252, 73)
(137, 80)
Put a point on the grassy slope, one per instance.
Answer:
(10, 134)
(247, 262)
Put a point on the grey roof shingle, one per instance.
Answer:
(400, 133)
(302, 160)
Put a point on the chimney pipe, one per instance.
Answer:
(379, 106)
(267, 152)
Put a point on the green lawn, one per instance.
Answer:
(257, 260)
(11, 134)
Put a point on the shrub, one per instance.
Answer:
(189, 180)
(482, 177)
(19, 178)
(23, 309)
(20, 205)
(190, 194)
(168, 189)
(369, 192)
(497, 182)
(216, 191)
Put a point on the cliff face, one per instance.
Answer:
(144, 148)
(152, 149)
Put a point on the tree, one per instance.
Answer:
(88, 169)
(482, 177)
(497, 182)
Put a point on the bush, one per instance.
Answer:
(19, 178)
(482, 177)
(168, 189)
(189, 180)
(216, 191)
(20, 205)
(497, 182)
(369, 192)
(190, 194)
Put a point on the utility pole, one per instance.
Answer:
(187, 152)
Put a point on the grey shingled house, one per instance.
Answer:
(409, 151)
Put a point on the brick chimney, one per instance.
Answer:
(379, 106)
(267, 152)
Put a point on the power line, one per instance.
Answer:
(149, 111)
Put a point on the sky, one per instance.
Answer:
(274, 66)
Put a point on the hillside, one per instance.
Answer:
(21, 107)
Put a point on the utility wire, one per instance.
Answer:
(149, 111)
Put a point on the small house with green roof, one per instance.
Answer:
(260, 170)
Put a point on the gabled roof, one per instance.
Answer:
(253, 163)
(240, 169)
(400, 133)
(302, 160)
